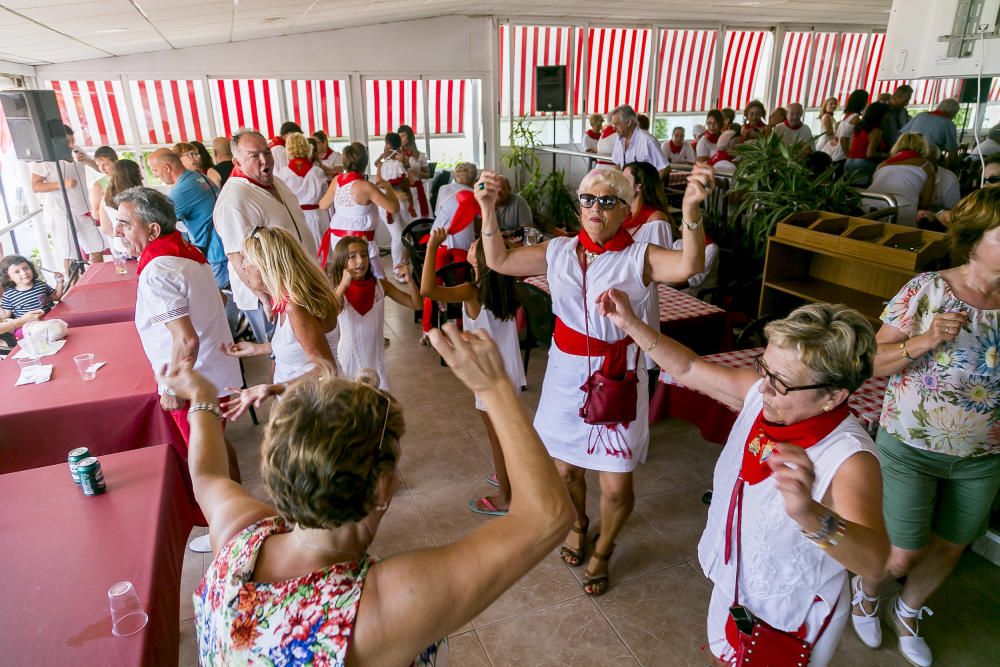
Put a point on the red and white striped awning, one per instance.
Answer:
(534, 46)
(446, 107)
(687, 63)
(251, 103)
(743, 63)
(851, 71)
(95, 110)
(824, 56)
(318, 105)
(390, 103)
(794, 67)
(168, 112)
(619, 59)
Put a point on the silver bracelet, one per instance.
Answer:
(493, 233)
(693, 226)
(209, 407)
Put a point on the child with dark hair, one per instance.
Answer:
(26, 297)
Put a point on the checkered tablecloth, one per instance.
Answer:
(674, 305)
(678, 179)
(865, 403)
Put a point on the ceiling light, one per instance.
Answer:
(108, 31)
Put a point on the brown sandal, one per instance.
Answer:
(597, 585)
(574, 557)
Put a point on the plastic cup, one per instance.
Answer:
(29, 366)
(84, 364)
(119, 261)
(127, 616)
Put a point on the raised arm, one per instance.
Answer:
(326, 201)
(673, 266)
(428, 278)
(524, 261)
(410, 297)
(727, 385)
(423, 595)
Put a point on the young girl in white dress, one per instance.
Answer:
(390, 167)
(307, 181)
(488, 303)
(362, 317)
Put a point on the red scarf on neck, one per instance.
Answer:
(712, 138)
(329, 152)
(360, 294)
(348, 177)
(765, 437)
(465, 214)
(793, 127)
(277, 141)
(238, 173)
(300, 166)
(939, 113)
(719, 156)
(594, 134)
(675, 148)
(169, 245)
(640, 218)
(621, 240)
(607, 131)
(903, 156)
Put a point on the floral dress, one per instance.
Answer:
(948, 401)
(307, 620)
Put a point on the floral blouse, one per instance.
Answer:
(307, 620)
(948, 401)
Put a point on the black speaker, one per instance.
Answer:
(968, 94)
(550, 87)
(36, 128)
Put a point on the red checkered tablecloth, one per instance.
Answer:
(865, 403)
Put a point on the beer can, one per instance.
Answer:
(91, 477)
(74, 458)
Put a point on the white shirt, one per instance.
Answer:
(463, 240)
(685, 155)
(790, 136)
(947, 191)
(332, 160)
(241, 206)
(706, 148)
(643, 147)
(171, 288)
(280, 155)
(708, 277)
(78, 200)
(446, 192)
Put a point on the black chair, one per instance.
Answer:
(537, 306)
(753, 334)
(443, 177)
(416, 248)
(450, 275)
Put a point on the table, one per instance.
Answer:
(64, 550)
(102, 302)
(117, 411)
(695, 323)
(715, 420)
(105, 273)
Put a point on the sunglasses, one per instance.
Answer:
(777, 383)
(606, 202)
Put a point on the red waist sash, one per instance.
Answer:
(571, 341)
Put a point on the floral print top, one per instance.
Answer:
(304, 621)
(948, 401)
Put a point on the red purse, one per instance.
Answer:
(760, 643)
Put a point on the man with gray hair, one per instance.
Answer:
(462, 177)
(634, 144)
(178, 311)
(253, 197)
(938, 126)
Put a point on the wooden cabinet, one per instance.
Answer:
(824, 257)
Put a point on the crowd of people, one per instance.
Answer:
(284, 230)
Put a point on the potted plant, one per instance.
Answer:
(552, 203)
(521, 159)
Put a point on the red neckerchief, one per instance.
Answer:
(675, 148)
(939, 113)
(640, 218)
(711, 138)
(765, 437)
(300, 166)
(792, 127)
(169, 245)
(348, 177)
(465, 214)
(279, 306)
(903, 156)
(759, 125)
(719, 156)
(329, 152)
(277, 141)
(594, 134)
(360, 294)
(607, 131)
(238, 173)
(621, 240)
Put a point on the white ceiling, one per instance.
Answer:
(38, 32)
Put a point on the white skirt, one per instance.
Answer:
(564, 432)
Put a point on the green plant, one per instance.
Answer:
(771, 182)
(522, 159)
(552, 203)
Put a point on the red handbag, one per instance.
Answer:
(760, 643)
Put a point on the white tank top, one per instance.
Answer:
(905, 182)
(348, 214)
(290, 360)
(504, 333)
(362, 340)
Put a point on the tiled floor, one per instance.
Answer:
(654, 613)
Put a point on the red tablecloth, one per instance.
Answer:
(695, 323)
(715, 420)
(117, 411)
(63, 550)
(105, 273)
(100, 302)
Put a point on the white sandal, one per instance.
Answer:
(866, 626)
(913, 647)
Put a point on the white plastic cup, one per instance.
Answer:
(84, 364)
(127, 616)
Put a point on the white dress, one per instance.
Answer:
(391, 170)
(351, 216)
(308, 190)
(656, 232)
(557, 419)
(417, 163)
(290, 360)
(905, 182)
(504, 334)
(782, 571)
(362, 340)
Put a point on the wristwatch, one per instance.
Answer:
(693, 226)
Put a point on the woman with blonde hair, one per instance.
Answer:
(827, 123)
(593, 134)
(580, 431)
(305, 308)
(908, 175)
(307, 181)
(198, 159)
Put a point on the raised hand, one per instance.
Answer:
(700, 183)
(437, 237)
(487, 189)
(614, 305)
(794, 474)
(235, 405)
(241, 349)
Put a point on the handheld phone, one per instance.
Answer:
(743, 618)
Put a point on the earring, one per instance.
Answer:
(827, 407)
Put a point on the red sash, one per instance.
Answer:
(903, 156)
(360, 294)
(675, 148)
(309, 207)
(465, 214)
(326, 243)
(238, 173)
(573, 342)
(425, 206)
(792, 127)
(300, 166)
(640, 218)
(169, 245)
(594, 134)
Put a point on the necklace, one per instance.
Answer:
(355, 554)
(589, 257)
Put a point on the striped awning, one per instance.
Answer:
(390, 103)
(95, 110)
(795, 51)
(743, 66)
(687, 63)
(170, 111)
(252, 103)
(875, 53)
(853, 49)
(446, 108)
(534, 46)
(619, 59)
(318, 105)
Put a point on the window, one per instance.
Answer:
(744, 67)
(853, 47)
(794, 68)
(95, 110)
(318, 105)
(686, 66)
(168, 112)
(390, 103)
(619, 61)
(240, 103)
(534, 46)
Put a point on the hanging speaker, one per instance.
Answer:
(36, 128)
(969, 87)
(550, 87)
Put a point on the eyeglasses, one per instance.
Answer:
(606, 202)
(777, 383)
(993, 179)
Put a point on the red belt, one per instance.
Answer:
(309, 207)
(573, 342)
(327, 241)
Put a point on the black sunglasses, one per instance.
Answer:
(777, 383)
(606, 202)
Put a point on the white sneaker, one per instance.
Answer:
(866, 627)
(913, 647)
(201, 545)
